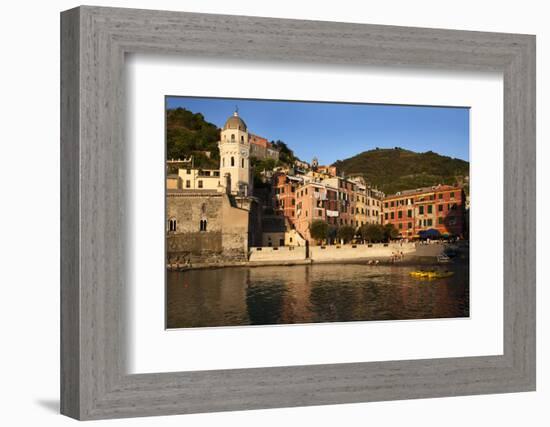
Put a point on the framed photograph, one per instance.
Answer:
(262, 213)
(393, 219)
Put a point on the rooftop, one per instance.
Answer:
(423, 190)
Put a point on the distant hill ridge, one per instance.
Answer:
(390, 170)
(395, 169)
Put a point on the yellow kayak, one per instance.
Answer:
(431, 274)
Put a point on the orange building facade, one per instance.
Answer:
(261, 148)
(440, 207)
(315, 201)
(336, 200)
(284, 195)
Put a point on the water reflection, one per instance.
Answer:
(313, 293)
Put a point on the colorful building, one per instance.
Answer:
(284, 194)
(346, 199)
(440, 207)
(338, 201)
(261, 148)
(301, 165)
(368, 205)
(195, 179)
(315, 201)
(327, 170)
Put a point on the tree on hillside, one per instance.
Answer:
(286, 155)
(346, 233)
(318, 230)
(372, 232)
(188, 134)
(263, 164)
(258, 167)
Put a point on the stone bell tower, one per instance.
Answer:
(234, 148)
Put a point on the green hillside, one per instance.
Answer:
(397, 169)
(189, 134)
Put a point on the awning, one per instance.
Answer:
(431, 233)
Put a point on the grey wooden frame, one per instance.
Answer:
(94, 382)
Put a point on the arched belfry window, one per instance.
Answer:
(242, 138)
(232, 161)
(172, 224)
(223, 161)
(242, 163)
(232, 137)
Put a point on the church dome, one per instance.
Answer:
(235, 122)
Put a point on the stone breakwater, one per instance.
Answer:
(297, 255)
(331, 253)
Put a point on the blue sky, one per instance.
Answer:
(335, 131)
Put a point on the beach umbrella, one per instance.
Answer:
(431, 233)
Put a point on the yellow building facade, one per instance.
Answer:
(195, 179)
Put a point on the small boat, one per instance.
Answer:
(420, 274)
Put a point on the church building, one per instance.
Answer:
(212, 214)
(234, 148)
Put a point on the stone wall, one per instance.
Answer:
(346, 252)
(226, 234)
(235, 229)
(189, 208)
(280, 254)
(328, 253)
(193, 247)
